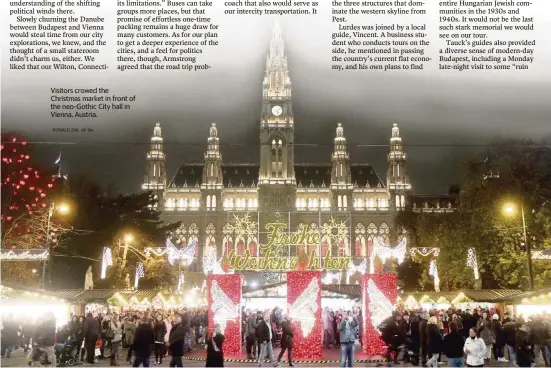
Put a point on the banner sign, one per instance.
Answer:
(278, 238)
(25, 255)
(541, 255)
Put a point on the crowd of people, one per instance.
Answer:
(467, 337)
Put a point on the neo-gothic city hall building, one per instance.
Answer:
(209, 198)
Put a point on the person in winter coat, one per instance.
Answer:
(434, 341)
(250, 336)
(484, 326)
(129, 333)
(287, 341)
(508, 333)
(347, 337)
(143, 340)
(265, 335)
(116, 341)
(160, 331)
(497, 331)
(523, 347)
(176, 340)
(215, 354)
(91, 334)
(328, 331)
(415, 338)
(452, 346)
(423, 338)
(475, 348)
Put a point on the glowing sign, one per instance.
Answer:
(25, 255)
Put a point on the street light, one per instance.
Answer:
(63, 209)
(509, 209)
(127, 238)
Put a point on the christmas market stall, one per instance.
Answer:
(531, 303)
(27, 303)
(101, 300)
(464, 300)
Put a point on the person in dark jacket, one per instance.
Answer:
(265, 336)
(9, 336)
(392, 336)
(250, 334)
(452, 346)
(509, 332)
(287, 341)
(524, 349)
(423, 338)
(497, 330)
(144, 339)
(160, 332)
(176, 341)
(44, 337)
(215, 354)
(91, 335)
(434, 341)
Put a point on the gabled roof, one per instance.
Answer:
(313, 175)
(87, 296)
(240, 175)
(364, 176)
(188, 175)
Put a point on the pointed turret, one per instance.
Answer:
(397, 179)
(340, 174)
(155, 173)
(212, 171)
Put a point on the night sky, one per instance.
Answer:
(444, 117)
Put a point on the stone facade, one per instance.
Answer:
(342, 197)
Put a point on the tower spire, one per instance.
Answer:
(397, 178)
(155, 173)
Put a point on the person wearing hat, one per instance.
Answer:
(499, 345)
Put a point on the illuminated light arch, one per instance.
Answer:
(193, 232)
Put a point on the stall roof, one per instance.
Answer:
(86, 296)
(546, 292)
(481, 295)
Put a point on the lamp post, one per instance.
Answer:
(62, 209)
(509, 209)
(128, 238)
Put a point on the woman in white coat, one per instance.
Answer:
(475, 348)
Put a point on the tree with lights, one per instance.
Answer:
(27, 189)
(126, 224)
(520, 173)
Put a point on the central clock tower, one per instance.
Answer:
(277, 174)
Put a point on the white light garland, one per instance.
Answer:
(139, 274)
(433, 271)
(209, 259)
(352, 269)
(384, 252)
(304, 308)
(223, 308)
(106, 261)
(185, 254)
(332, 276)
(471, 262)
(379, 306)
(424, 252)
(181, 281)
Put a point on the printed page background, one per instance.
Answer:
(444, 108)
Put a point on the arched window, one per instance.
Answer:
(384, 232)
(325, 245)
(403, 200)
(240, 246)
(359, 245)
(181, 203)
(313, 247)
(208, 201)
(344, 202)
(253, 247)
(213, 203)
(154, 170)
(227, 241)
(277, 157)
(372, 232)
(398, 201)
(339, 201)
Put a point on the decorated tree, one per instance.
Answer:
(27, 191)
(515, 172)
